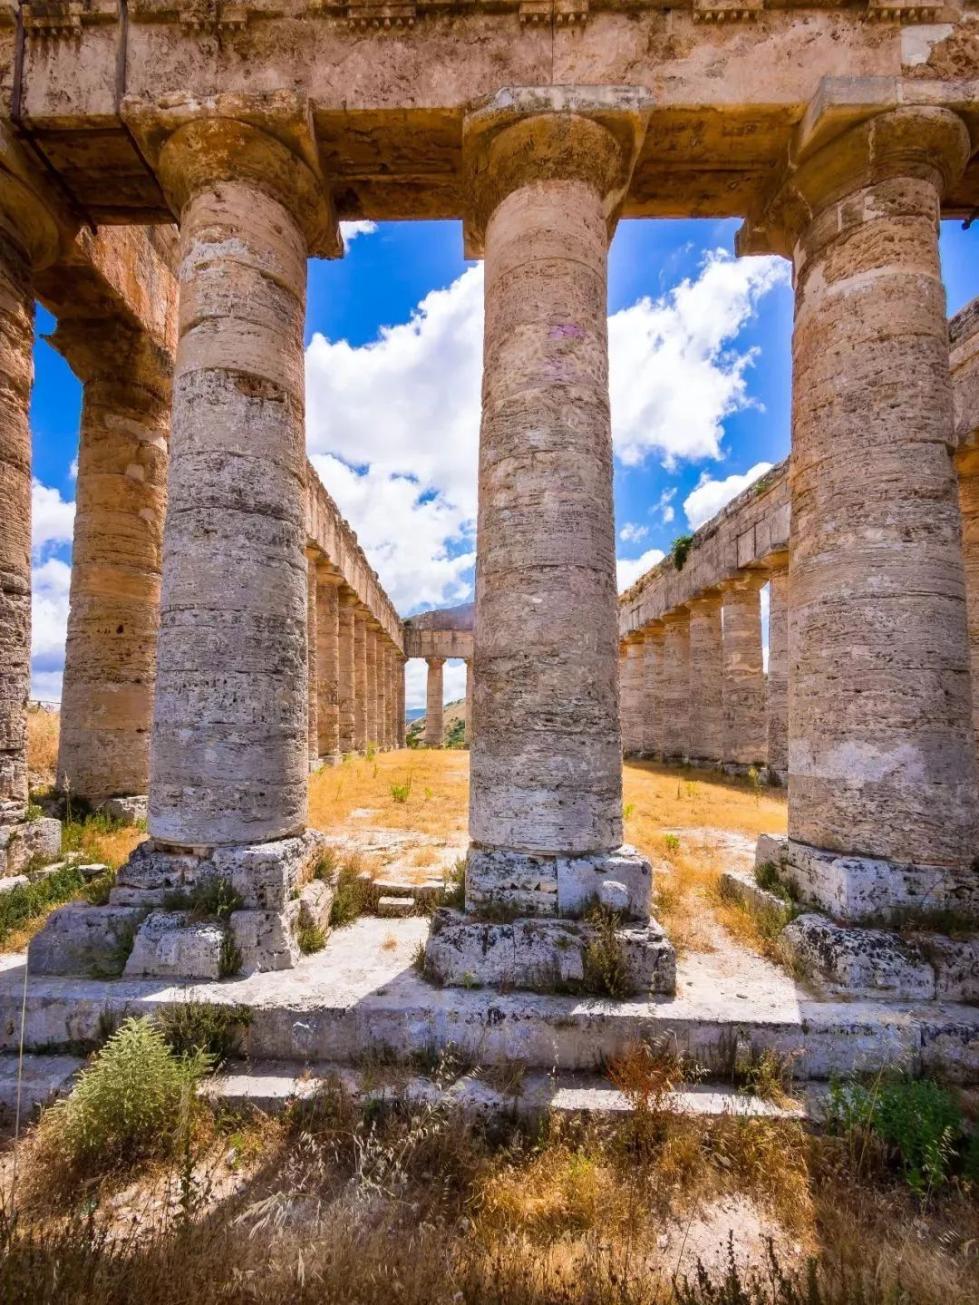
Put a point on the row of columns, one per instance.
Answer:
(355, 672)
(693, 686)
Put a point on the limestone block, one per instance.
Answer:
(949, 1047)
(742, 887)
(150, 870)
(395, 907)
(267, 939)
(315, 902)
(859, 962)
(84, 940)
(131, 810)
(540, 954)
(580, 881)
(21, 842)
(614, 896)
(169, 945)
(265, 874)
(555, 885)
(92, 870)
(955, 962)
(11, 882)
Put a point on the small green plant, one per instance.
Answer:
(21, 905)
(628, 811)
(353, 895)
(229, 960)
(311, 938)
(418, 959)
(371, 751)
(680, 550)
(671, 842)
(767, 876)
(401, 792)
(917, 1121)
(326, 866)
(126, 1107)
(606, 972)
(455, 885)
(111, 963)
(211, 898)
(204, 1026)
(34, 813)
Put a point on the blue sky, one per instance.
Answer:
(700, 379)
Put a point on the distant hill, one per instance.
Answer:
(453, 714)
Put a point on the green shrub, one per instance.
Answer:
(671, 842)
(455, 885)
(311, 938)
(917, 1120)
(606, 973)
(23, 904)
(401, 792)
(680, 550)
(767, 877)
(353, 895)
(190, 1027)
(213, 898)
(128, 1105)
(326, 866)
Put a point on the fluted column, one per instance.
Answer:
(777, 681)
(370, 683)
(328, 664)
(120, 501)
(631, 687)
(706, 682)
(676, 684)
(967, 466)
(346, 671)
(401, 725)
(28, 240)
(469, 702)
(382, 690)
(312, 653)
(394, 670)
(230, 750)
(434, 729)
(360, 678)
(745, 741)
(882, 751)
(652, 720)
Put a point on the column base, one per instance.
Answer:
(23, 841)
(536, 884)
(868, 889)
(576, 957)
(203, 913)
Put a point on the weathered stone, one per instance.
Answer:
(543, 955)
(169, 944)
(132, 810)
(92, 869)
(315, 901)
(859, 962)
(705, 685)
(955, 962)
(675, 693)
(777, 680)
(85, 940)
(555, 885)
(29, 839)
(266, 940)
(13, 881)
(265, 875)
(744, 679)
(395, 907)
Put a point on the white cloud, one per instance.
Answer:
(631, 533)
(52, 519)
(46, 686)
(416, 682)
(49, 608)
(629, 569)
(351, 230)
(673, 374)
(710, 496)
(668, 515)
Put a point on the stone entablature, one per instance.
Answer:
(447, 632)
(750, 534)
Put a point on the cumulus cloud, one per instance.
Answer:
(632, 533)
(674, 374)
(49, 611)
(349, 231)
(52, 518)
(710, 495)
(416, 682)
(629, 569)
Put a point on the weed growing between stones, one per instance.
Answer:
(211, 898)
(353, 895)
(193, 1026)
(110, 963)
(606, 972)
(21, 905)
(311, 938)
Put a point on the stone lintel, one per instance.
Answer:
(42, 218)
(565, 886)
(264, 140)
(611, 121)
(543, 955)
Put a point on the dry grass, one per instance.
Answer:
(437, 803)
(426, 1208)
(42, 744)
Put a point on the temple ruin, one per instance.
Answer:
(166, 171)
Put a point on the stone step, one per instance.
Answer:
(429, 891)
(391, 907)
(272, 1085)
(42, 1078)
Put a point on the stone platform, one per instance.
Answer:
(363, 992)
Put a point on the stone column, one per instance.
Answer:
(401, 725)
(382, 690)
(312, 653)
(705, 693)
(110, 653)
(744, 673)
(434, 729)
(328, 664)
(882, 750)
(346, 671)
(967, 465)
(546, 775)
(469, 702)
(28, 240)
(360, 678)
(370, 683)
(652, 722)
(631, 692)
(676, 684)
(777, 685)
(395, 672)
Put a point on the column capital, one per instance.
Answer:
(202, 152)
(840, 148)
(33, 217)
(110, 347)
(435, 662)
(328, 575)
(706, 601)
(745, 582)
(528, 134)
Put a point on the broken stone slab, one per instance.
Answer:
(13, 881)
(545, 955)
(92, 870)
(741, 886)
(857, 962)
(863, 888)
(27, 840)
(266, 940)
(169, 944)
(395, 907)
(315, 901)
(85, 940)
(955, 962)
(539, 885)
(130, 810)
(265, 875)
